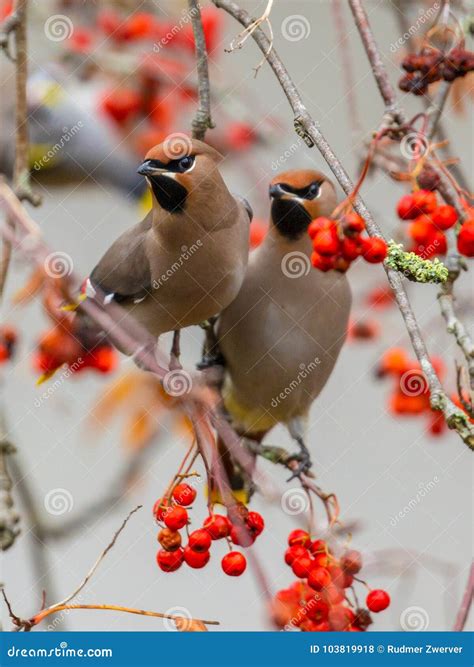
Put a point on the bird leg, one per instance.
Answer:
(175, 351)
(211, 355)
(302, 457)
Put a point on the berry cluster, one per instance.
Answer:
(60, 347)
(431, 65)
(240, 527)
(410, 392)
(429, 221)
(319, 601)
(336, 244)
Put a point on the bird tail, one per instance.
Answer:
(239, 481)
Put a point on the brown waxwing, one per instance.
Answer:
(281, 336)
(186, 260)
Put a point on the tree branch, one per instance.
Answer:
(202, 120)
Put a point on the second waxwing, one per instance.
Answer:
(282, 335)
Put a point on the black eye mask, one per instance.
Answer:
(311, 191)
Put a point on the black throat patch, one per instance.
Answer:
(290, 218)
(169, 194)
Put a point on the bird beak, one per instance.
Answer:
(276, 191)
(147, 168)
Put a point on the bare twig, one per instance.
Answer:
(16, 25)
(466, 602)
(386, 89)
(307, 128)
(202, 120)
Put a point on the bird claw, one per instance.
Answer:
(305, 463)
(209, 361)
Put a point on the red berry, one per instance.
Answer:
(161, 508)
(169, 561)
(255, 522)
(317, 610)
(234, 564)
(374, 250)
(200, 540)
(424, 201)
(353, 223)
(242, 536)
(466, 239)
(340, 618)
(350, 249)
(318, 546)
(337, 575)
(294, 552)
(319, 225)
(406, 208)
(322, 627)
(422, 230)
(319, 578)
(322, 559)
(176, 518)
(196, 559)
(322, 263)
(299, 538)
(170, 540)
(333, 595)
(351, 561)
(377, 600)
(217, 526)
(302, 565)
(184, 494)
(326, 243)
(444, 217)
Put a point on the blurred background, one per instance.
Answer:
(405, 493)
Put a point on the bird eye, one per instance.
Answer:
(186, 163)
(313, 190)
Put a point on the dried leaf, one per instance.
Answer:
(189, 625)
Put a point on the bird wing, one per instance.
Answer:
(124, 271)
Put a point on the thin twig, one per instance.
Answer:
(466, 602)
(202, 120)
(96, 564)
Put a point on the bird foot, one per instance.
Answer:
(209, 361)
(303, 460)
